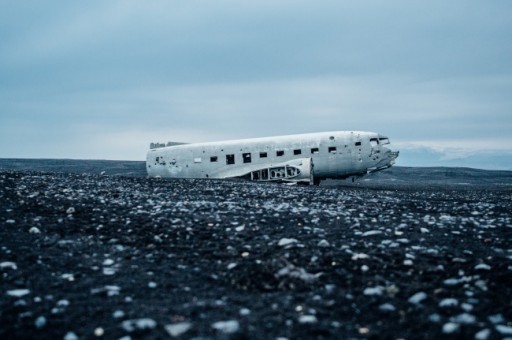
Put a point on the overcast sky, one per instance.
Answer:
(103, 79)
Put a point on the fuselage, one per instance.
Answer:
(338, 154)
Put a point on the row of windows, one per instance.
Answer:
(247, 157)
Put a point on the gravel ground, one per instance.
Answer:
(86, 256)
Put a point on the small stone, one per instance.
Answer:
(109, 271)
(424, 230)
(323, 243)
(417, 298)
(245, 312)
(138, 324)
(373, 291)
(227, 327)
(10, 265)
(118, 314)
(10, 221)
(451, 282)
(152, 284)
(99, 331)
(70, 336)
(464, 318)
(483, 334)
(372, 232)
(408, 263)
(108, 262)
(286, 241)
(70, 210)
(450, 328)
(504, 330)
(18, 292)
(177, 329)
(34, 230)
(482, 266)
(387, 307)
(496, 319)
(232, 266)
(365, 268)
(308, 319)
(449, 303)
(40, 322)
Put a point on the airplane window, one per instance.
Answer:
(247, 157)
(297, 152)
(263, 155)
(332, 149)
(358, 143)
(198, 160)
(374, 142)
(279, 153)
(230, 159)
(314, 150)
(213, 159)
(384, 140)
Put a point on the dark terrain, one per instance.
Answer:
(95, 249)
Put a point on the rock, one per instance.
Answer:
(374, 291)
(178, 329)
(417, 298)
(448, 303)
(307, 319)
(387, 307)
(323, 243)
(18, 292)
(483, 334)
(10, 265)
(70, 210)
(226, 327)
(138, 324)
(464, 318)
(504, 330)
(372, 233)
(40, 322)
(286, 241)
(450, 328)
(34, 230)
(482, 266)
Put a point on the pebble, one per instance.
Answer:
(178, 329)
(18, 292)
(118, 314)
(374, 291)
(372, 233)
(483, 334)
(450, 328)
(70, 336)
(226, 327)
(504, 330)
(10, 265)
(286, 241)
(40, 322)
(449, 303)
(108, 262)
(482, 266)
(323, 243)
(70, 210)
(464, 318)
(417, 298)
(245, 311)
(152, 284)
(138, 324)
(387, 307)
(34, 230)
(307, 319)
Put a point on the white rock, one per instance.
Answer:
(227, 327)
(360, 256)
(10, 221)
(245, 311)
(387, 307)
(497, 318)
(152, 284)
(425, 230)
(464, 318)
(286, 241)
(70, 336)
(18, 292)
(374, 291)
(10, 265)
(241, 228)
(372, 232)
(504, 330)
(70, 210)
(118, 314)
(417, 298)
(109, 271)
(323, 243)
(232, 265)
(138, 324)
(482, 266)
(177, 329)
(308, 319)
(40, 322)
(449, 303)
(483, 334)
(108, 262)
(34, 230)
(450, 328)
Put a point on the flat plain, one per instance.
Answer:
(98, 250)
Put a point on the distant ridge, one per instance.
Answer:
(395, 176)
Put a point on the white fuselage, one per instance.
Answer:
(338, 154)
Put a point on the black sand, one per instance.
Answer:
(86, 255)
